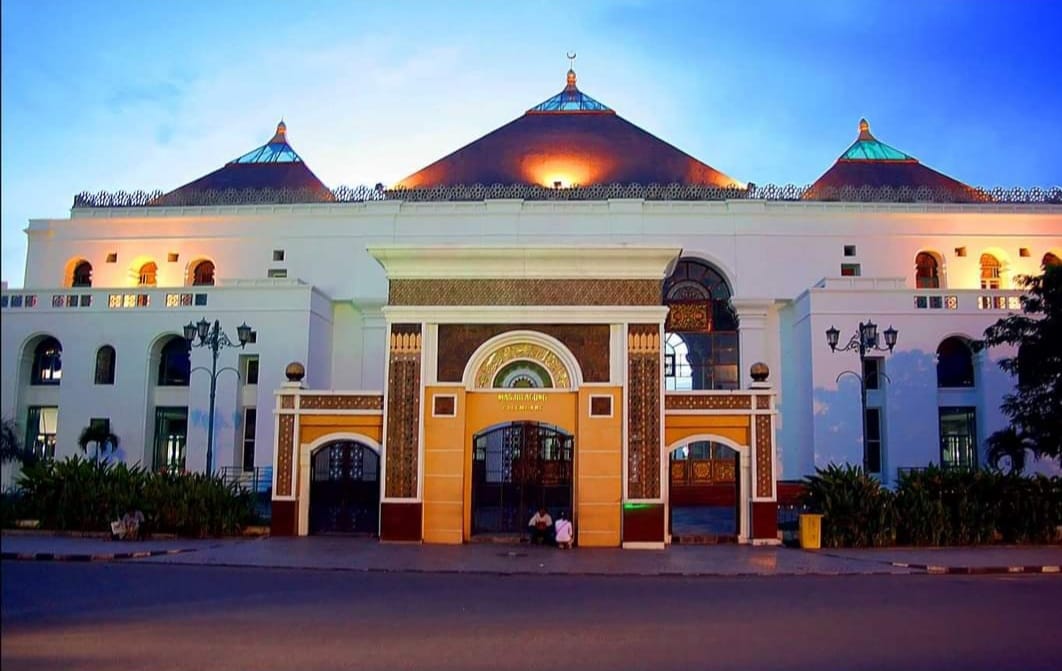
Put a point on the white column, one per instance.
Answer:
(752, 334)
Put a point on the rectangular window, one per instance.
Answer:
(960, 251)
(42, 424)
(250, 417)
(277, 273)
(850, 270)
(872, 456)
(1023, 252)
(112, 257)
(958, 437)
(278, 254)
(172, 257)
(849, 250)
(171, 437)
(872, 366)
(250, 371)
(86, 300)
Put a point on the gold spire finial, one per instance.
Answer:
(571, 68)
(864, 130)
(281, 134)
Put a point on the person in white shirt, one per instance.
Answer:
(541, 526)
(563, 532)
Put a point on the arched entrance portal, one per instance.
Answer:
(345, 489)
(517, 468)
(704, 493)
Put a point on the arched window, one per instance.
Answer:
(105, 365)
(82, 276)
(989, 272)
(47, 362)
(175, 363)
(1050, 260)
(955, 363)
(702, 337)
(927, 271)
(203, 274)
(148, 274)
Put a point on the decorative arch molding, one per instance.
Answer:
(191, 269)
(305, 465)
(717, 264)
(743, 450)
(941, 268)
(503, 349)
(70, 272)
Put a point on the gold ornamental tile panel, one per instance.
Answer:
(287, 402)
(643, 412)
(285, 444)
(707, 402)
(524, 292)
(763, 402)
(403, 411)
(543, 356)
(764, 448)
(341, 402)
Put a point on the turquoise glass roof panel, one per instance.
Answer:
(873, 150)
(274, 152)
(570, 100)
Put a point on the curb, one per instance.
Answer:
(976, 570)
(109, 556)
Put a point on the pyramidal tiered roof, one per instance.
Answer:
(274, 166)
(871, 162)
(568, 140)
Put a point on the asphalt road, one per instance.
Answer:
(136, 616)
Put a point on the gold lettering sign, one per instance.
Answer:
(522, 401)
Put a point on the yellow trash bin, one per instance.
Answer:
(811, 531)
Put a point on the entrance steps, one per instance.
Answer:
(703, 539)
(500, 539)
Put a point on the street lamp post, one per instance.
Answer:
(864, 340)
(216, 339)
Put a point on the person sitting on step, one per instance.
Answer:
(541, 527)
(563, 532)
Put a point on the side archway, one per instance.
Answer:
(717, 474)
(342, 474)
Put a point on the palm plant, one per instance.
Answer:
(101, 436)
(1009, 447)
(11, 448)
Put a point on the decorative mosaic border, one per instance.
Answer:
(285, 449)
(480, 192)
(524, 292)
(764, 456)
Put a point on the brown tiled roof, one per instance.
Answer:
(571, 139)
(869, 162)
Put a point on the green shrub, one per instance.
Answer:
(77, 494)
(934, 506)
(857, 511)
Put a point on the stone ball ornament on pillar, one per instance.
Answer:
(759, 372)
(295, 371)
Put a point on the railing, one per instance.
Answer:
(258, 481)
(477, 192)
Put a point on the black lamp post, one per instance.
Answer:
(214, 338)
(864, 340)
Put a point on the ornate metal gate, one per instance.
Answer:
(517, 468)
(345, 489)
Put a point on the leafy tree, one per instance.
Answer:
(101, 436)
(1035, 408)
(11, 448)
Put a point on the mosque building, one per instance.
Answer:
(567, 313)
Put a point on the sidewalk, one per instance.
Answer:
(351, 554)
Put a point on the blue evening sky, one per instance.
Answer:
(141, 95)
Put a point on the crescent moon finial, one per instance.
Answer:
(571, 59)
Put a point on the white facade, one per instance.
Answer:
(782, 259)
